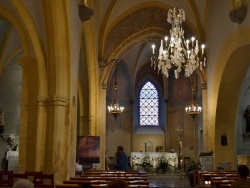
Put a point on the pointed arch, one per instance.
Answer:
(149, 105)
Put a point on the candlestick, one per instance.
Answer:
(180, 143)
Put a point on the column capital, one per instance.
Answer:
(87, 117)
(57, 101)
(41, 101)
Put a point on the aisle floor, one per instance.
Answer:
(168, 180)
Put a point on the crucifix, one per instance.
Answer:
(179, 130)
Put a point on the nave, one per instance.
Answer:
(168, 180)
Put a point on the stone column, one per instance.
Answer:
(29, 126)
(101, 127)
(60, 143)
(206, 130)
(132, 127)
(85, 125)
(58, 133)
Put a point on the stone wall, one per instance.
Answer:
(10, 99)
(243, 139)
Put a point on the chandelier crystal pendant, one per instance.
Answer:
(177, 53)
(115, 108)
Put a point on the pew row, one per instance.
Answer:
(102, 178)
(137, 182)
(203, 178)
(93, 185)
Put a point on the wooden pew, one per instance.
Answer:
(218, 182)
(202, 178)
(66, 185)
(228, 185)
(5, 178)
(128, 178)
(112, 173)
(205, 180)
(130, 182)
(101, 178)
(75, 185)
(115, 171)
(14, 177)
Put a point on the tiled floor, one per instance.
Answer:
(168, 180)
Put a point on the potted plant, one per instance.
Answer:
(193, 165)
(220, 168)
(163, 167)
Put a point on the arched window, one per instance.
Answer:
(149, 105)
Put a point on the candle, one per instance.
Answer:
(202, 48)
(153, 47)
(166, 41)
(187, 44)
(180, 143)
(192, 39)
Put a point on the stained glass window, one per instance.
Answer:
(149, 105)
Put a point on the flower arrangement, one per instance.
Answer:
(11, 141)
(145, 163)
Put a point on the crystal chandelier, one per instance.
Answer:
(115, 108)
(193, 109)
(177, 53)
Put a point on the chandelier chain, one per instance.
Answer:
(115, 108)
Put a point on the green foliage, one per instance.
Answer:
(145, 165)
(220, 168)
(163, 166)
(193, 165)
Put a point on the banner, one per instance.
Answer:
(88, 151)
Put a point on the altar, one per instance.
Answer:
(154, 159)
(12, 157)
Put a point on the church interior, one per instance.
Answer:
(64, 62)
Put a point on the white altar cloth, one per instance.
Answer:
(12, 157)
(154, 158)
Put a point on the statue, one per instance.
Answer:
(247, 117)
